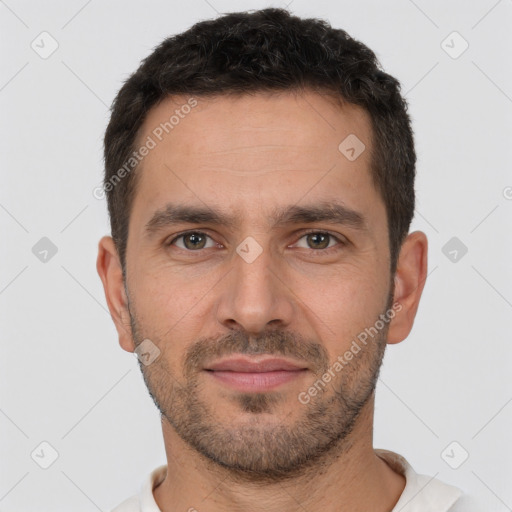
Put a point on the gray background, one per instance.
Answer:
(65, 380)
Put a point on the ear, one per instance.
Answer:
(110, 272)
(410, 277)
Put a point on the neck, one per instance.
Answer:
(351, 478)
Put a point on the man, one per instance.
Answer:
(260, 184)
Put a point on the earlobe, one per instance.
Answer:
(409, 279)
(110, 272)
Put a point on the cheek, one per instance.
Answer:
(165, 305)
(164, 291)
(345, 305)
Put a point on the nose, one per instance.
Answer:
(255, 295)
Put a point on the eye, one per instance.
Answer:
(321, 240)
(192, 241)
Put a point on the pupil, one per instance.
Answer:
(325, 237)
(193, 238)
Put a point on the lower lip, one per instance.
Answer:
(262, 381)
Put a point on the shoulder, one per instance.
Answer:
(144, 501)
(129, 505)
(469, 502)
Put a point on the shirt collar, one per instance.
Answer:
(421, 493)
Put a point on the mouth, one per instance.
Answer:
(255, 374)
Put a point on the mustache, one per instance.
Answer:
(276, 343)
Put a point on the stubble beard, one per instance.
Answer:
(259, 450)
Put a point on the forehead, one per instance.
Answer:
(246, 150)
(309, 120)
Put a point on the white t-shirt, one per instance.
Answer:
(421, 493)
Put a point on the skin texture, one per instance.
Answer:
(304, 297)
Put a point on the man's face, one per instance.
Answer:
(295, 290)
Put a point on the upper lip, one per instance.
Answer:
(255, 365)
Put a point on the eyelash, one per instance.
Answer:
(313, 231)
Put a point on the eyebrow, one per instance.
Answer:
(330, 212)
